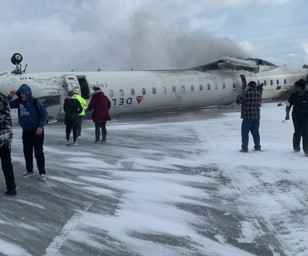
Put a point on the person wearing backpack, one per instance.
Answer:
(32, 117)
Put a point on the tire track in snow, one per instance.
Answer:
(253, 192)
(58, 241)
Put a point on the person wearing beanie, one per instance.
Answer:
(83, 112)
(299, 101)
(72, 109)
(250, 113)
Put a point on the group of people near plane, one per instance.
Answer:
(33, 116)
(250, 113)
(75, 108)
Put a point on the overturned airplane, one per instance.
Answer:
(216, 83)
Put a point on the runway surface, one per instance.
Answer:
(170, 184)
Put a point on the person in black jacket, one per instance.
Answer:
(6, 136)
(299, 100)
(72, 108)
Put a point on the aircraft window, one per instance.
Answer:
(234, 87)
(216, 86)
(164, 90)
(264, 82)
(173, 88)
(183, 88)
(132, 91)
(285, 81)
(258, 82)
(143, 91)
(49, 101)
(208, 86)
(154, 90)
(121, 93)
(271, 82)
(223, 86)
(200, 87)
(192, 88)
(111, 93)
(277, 82)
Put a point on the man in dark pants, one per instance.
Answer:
(250, 113)
(82, 114)
(32, 116)
(299, 100)
(6, 136)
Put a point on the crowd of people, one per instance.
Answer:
(33, 116)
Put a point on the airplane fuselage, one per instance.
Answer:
(148, 91)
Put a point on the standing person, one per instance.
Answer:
(72, 109)
(299, 100)
(80, 116)
(250, 113)
(260, 88)
(6, 136)
(100, 105)
(32, 116)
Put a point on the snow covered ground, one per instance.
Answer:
(171, 185)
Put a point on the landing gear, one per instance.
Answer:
(16, 60)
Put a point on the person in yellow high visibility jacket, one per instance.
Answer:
(84, 107)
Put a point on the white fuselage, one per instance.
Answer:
(147, 91)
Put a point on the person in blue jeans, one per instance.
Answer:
(250, 113)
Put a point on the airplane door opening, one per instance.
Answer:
(78, 84)
(84, 87)
(244, 82)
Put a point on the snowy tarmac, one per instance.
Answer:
(162, 186)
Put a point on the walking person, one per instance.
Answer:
(100, 105)
(82, 114)
(299, 101)
(250, 113)
(32, 116)
(72, 109)
(6, 136)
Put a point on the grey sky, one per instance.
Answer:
(60, 35)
